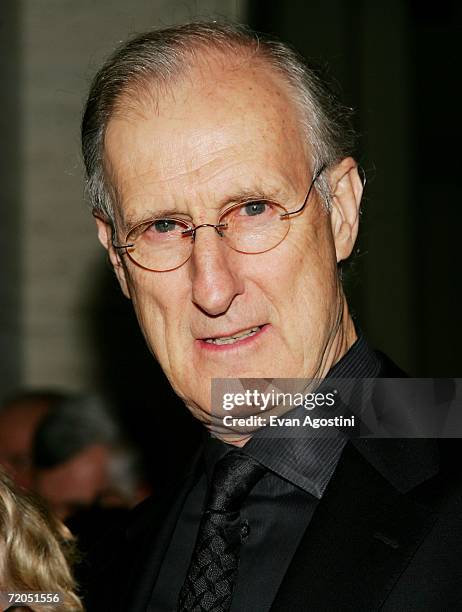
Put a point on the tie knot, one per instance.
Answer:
(233, 478)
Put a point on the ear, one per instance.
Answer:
(104, 230)
(346, 191)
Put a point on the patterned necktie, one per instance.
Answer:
(215, 561)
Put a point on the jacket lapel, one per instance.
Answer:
(359, 540)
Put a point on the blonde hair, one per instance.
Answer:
(35, 549)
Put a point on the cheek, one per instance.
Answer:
(306, 265)
(305, 287)
(159, 304)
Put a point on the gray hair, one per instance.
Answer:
(163, 55)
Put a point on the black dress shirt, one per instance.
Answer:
(277, 511)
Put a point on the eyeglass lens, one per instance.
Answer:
(251, 227)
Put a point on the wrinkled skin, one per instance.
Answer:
(224, 131)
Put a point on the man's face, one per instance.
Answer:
(222, 134)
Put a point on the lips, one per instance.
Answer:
(235, 337)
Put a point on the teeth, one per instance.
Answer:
(231, 339)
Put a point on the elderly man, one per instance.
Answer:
(221, 178)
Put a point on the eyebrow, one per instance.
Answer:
(243, 195)
(133, 220)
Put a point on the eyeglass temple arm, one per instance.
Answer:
(122, 246)
(106, 220)
(315, 178)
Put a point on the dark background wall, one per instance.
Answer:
(10, 196)
(398, 64)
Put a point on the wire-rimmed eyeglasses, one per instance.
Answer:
(251, 227)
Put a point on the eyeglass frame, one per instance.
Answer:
(191, 231)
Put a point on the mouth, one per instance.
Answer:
(235, 337)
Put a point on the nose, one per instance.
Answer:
(215, 276)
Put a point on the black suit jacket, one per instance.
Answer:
(387, 535)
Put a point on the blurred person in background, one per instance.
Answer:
(72, 454)
(81, 459)
(20, 416)
(36, 552)
(85, 471)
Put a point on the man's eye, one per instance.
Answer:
(164, 225)
(252, 209)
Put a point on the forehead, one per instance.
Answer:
(220, 129)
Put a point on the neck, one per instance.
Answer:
(341, 339)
